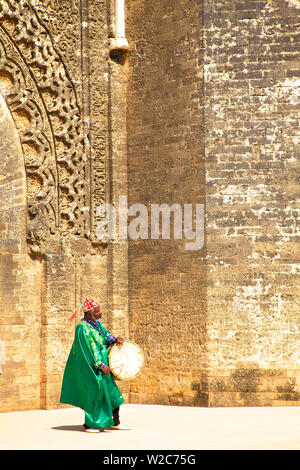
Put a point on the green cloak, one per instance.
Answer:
(95, 392)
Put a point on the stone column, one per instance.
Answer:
(58, 302)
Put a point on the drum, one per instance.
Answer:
(126, 360)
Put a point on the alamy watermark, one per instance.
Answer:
(188, 222)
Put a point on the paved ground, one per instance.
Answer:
(156, 427)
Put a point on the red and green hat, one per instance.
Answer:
(87, 305)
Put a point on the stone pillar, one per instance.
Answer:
(19, 279)
(117, 251)
(117, 262)
(58, 303)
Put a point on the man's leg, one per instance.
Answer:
(116, 417)
(117, 422)
(88, 424)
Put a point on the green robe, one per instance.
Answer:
(95, 392)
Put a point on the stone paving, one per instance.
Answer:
(156, 427)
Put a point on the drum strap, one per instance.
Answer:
(109, 341)
(93, 324)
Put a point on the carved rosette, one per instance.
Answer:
(43, 104)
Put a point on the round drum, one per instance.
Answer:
(126, 360)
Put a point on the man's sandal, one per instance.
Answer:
(122, 427)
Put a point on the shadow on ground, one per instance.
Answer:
(76, 427)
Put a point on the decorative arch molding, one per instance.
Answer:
(43, 103)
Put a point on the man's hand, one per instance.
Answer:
(105, 369)
(119, 340)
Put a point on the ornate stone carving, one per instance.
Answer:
(43, 103)
(38, 229)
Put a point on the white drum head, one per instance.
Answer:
(126, 360)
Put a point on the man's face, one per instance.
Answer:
(97, 313)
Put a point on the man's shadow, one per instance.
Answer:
(73, 427)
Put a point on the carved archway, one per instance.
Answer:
(42, 101)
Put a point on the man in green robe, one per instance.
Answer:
(87, 381)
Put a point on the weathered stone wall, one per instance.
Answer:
(167, 283)
(214, 88)
(19, 316)
(205, 110)
(252, 99)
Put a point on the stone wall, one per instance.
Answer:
(203, 111)
(213, 106)
(20, 319)
(56, 80)
(166, 165)
(252, 102)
